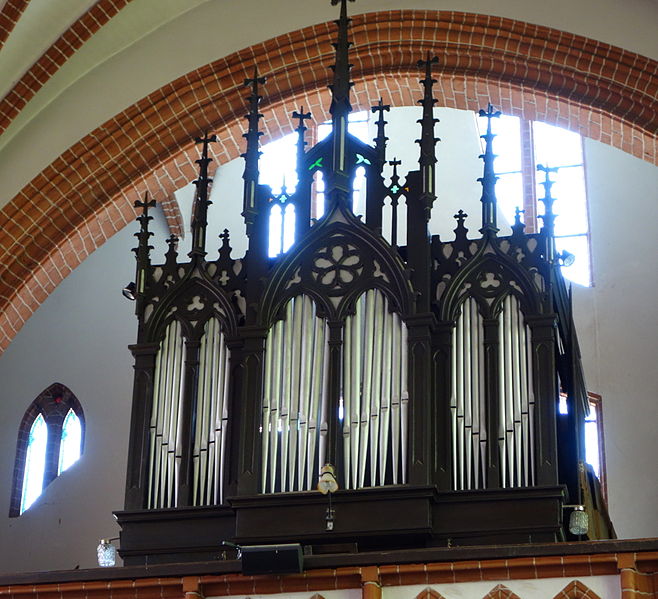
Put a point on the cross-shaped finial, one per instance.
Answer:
(205, 140)
(145, 205)
(172, 240)
(460, 217)
(489, 112)
(254, 81)
(427, 63)
(380, 107)
(395, 162)
(302, 116)
(547, 183)
(224, 236)
(517, 215)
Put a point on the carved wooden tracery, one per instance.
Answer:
(430, 366)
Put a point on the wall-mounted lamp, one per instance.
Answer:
(566, 258)
(107, 553)
(129, 291)
(327, 485)
(578, 519)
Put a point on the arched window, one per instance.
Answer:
(50, 440)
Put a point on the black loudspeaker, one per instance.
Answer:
(272, 559)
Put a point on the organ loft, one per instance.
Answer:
(355, 394)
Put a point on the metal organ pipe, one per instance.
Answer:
(516, 401)
(165, 452)
(467, 400)
(293, 398)
(375, 394)
(211, 416)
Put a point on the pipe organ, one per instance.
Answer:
(427, 374)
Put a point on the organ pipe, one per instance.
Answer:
(294, 398)
(165, 422)
(375, 394)
(211, 416)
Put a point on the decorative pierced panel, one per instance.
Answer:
(467, 403)
(211, 417)
(375, 395)
(516, 431)
(294, 400)
(165, 425)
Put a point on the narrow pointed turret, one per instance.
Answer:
(548, 218)
(427, 140)
(302, 191)
(252, 153)
(338, 179)
(381, 139)
(143, 249)
(488, 179)
(201, 201)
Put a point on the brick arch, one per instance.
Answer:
(429, 593)
(86, 194)
(500, 591)
(576, 590)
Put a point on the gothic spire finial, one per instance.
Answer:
(143, 249)
(488, 179)
(252, 153)
(548, 218)
(381, 139)
(201, 201)
(340, 88)
(427, 140)
(301, 116)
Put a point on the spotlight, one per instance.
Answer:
(129, 291)
(566, 258)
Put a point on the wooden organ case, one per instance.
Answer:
(427, 374)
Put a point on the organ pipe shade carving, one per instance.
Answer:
(294, 409)
(375, 395)
(165, 426)
(211, 417)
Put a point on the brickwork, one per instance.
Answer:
(392, 575)
(9, 15)
(86, 194)
(576, 590)
(51, 61)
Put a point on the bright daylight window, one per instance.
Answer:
(277, 169)
(594, 451)
(555, 147)
(50, 440)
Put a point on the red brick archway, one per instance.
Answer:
(86, 195)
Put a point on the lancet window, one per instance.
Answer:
(50, 440)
